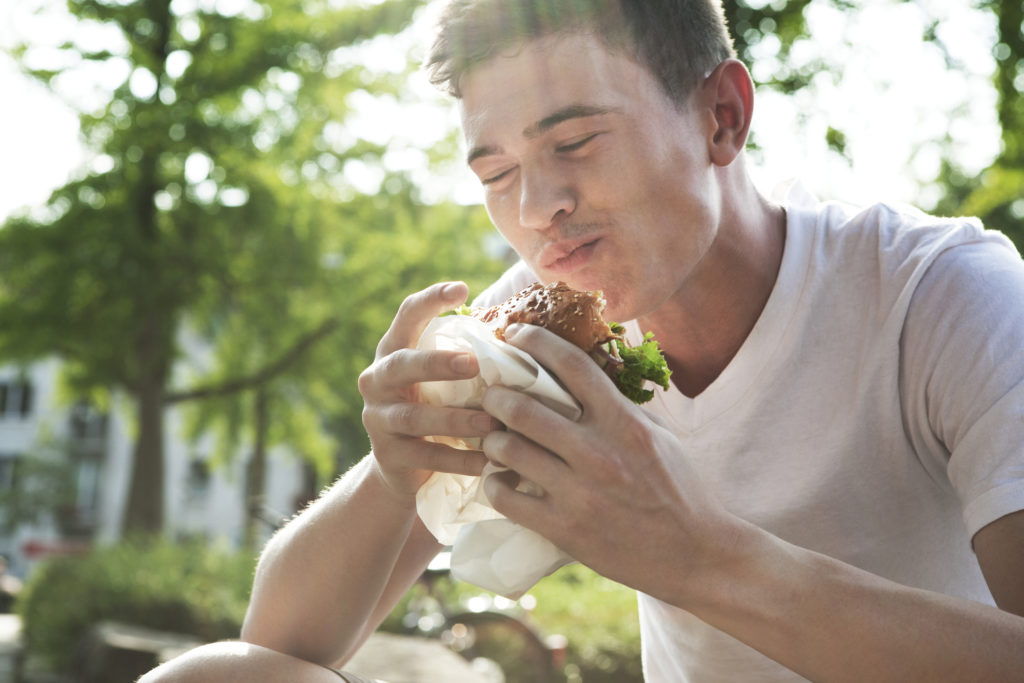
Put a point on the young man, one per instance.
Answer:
(833, 487)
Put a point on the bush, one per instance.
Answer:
(185, 588)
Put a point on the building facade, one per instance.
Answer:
(44, 438)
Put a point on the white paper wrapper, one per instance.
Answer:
(501, 556)
(487, 550)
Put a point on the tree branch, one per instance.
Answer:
(231, 386)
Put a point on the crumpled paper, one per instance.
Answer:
(488, 550)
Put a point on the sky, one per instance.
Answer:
(892, 101)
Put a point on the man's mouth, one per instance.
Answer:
(567, 256)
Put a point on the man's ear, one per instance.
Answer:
(729, 95)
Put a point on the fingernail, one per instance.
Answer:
(451, 290)
(462, 364)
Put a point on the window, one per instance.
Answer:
(15, 398)
(197, 485)
(8, 470)
(88, 429)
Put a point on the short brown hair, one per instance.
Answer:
(678, 41)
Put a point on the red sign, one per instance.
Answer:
(35, 549)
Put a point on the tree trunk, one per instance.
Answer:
(156, 310)
(145, 511)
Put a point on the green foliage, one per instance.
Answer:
(751, 22)
(185, 588)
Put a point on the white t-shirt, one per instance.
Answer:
(875, 413)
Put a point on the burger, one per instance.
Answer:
(577, 317)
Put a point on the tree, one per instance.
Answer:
(994, 195)
(206, 214)
(997, 196)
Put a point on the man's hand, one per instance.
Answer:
(396, 421)
(609, 500)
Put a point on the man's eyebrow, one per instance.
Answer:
(573, 111)
(478, 152)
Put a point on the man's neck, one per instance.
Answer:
(702, 327)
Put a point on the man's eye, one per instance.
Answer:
(495, 178)
(573, 146)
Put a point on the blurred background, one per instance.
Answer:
(211, 209)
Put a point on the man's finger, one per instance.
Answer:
(570, 364)
(526, 458)
(420, 419)
(528, 416)
(416, 311)
(532, 512)
(393, 373)
(438, 457)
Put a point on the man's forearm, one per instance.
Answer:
(829, 621)
(325, 581)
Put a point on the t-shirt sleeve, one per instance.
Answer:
(962, 376)
(518, 277)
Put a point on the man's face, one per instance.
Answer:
(590, 172)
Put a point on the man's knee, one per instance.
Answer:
(239, 662)
(213, 662)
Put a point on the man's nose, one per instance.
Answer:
(545, 195)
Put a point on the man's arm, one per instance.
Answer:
(820, 617)
(999, 547)
(832, 622)
(327, 579)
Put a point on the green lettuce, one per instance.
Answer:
(641, 363)
(464, 309)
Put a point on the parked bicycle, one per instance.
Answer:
(491, 631)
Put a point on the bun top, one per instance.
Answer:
(573, 315)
